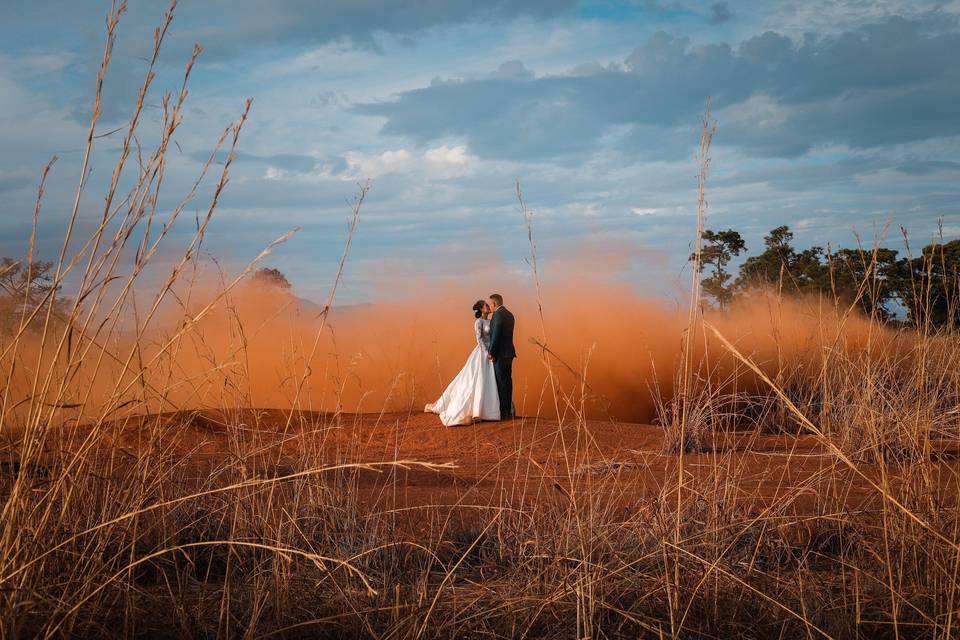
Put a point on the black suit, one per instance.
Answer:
(501, 348)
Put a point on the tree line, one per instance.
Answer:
(921, 290)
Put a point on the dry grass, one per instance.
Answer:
(104, 540)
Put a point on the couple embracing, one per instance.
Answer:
(483, 390)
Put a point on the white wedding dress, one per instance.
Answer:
(473, 393)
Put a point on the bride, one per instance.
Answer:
(473, 393)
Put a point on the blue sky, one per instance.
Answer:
(833, 117)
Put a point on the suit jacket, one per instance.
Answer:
(501, 334)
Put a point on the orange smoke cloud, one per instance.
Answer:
(263, 347)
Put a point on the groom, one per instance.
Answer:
(502, 353)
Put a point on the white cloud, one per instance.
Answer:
(436, 162)
(444, 155)
(376, 164)
(32, 65)
(644, 212)
(828, 16)
(759, 110)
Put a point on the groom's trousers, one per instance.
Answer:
(503, 371)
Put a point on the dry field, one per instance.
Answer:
(262, 523)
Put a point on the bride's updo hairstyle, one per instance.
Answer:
(478, 309)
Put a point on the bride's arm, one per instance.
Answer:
(478, 333)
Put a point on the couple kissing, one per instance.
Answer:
(483, 390)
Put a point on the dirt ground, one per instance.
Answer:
(492, 464)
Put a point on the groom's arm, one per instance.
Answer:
(494, 335)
